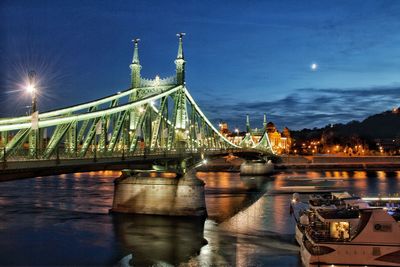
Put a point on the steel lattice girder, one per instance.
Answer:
(89, 115)
(78, 107)
(209, 136)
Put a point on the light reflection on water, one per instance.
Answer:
(64, 220)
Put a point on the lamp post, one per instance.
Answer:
(237, 136)
(32, 89)
(33, 137)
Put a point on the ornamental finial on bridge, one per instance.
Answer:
(180, 61)
(136, 52)
(135, 66)
(180, 48)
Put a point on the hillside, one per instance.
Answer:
(384, 125)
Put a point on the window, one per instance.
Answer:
(340, 230)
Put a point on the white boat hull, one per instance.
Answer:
(350, 255)
(299, 235)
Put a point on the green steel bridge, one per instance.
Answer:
(154, 117)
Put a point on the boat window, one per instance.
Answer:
(340, 230)
(382, 227)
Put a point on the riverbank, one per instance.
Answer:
(338, 166)
(317, 163)
(338, 163)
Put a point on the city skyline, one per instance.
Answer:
(303, 65)
(199, 133)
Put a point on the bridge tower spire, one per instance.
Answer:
(248, 129)
(135, 66)
(265, 121)
(180, 61)
(132, 120)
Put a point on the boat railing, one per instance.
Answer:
(325, 202)
(318, 235)
(321, 234)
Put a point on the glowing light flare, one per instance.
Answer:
(314, 66)
(30, 88)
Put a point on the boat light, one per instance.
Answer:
(380, 198)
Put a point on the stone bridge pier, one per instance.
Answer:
(159, 193)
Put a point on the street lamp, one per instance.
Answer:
(34, 134)
(31, 88)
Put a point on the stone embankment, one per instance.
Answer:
(334, 162)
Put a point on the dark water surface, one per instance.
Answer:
(64, 220)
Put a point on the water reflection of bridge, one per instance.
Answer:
(224, 198)
(156, 240)
(175, 240)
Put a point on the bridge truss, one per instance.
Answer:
(153, 116)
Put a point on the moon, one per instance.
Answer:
(314, 66)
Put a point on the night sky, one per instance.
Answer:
(242, 57)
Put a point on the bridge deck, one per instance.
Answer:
(11, 170)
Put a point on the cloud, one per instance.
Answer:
(307, 107)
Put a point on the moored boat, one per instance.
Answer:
(338, 201)
(351, 237)
(324, 201)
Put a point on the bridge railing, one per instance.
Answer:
(22, 154)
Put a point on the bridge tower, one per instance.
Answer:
(247, 141)
(131, 122)
(135, 66)
(180, 61)
(182, 122)
(265, 122)
(248, 129)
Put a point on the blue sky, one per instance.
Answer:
(242, 56)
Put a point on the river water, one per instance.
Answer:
(64, 220)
